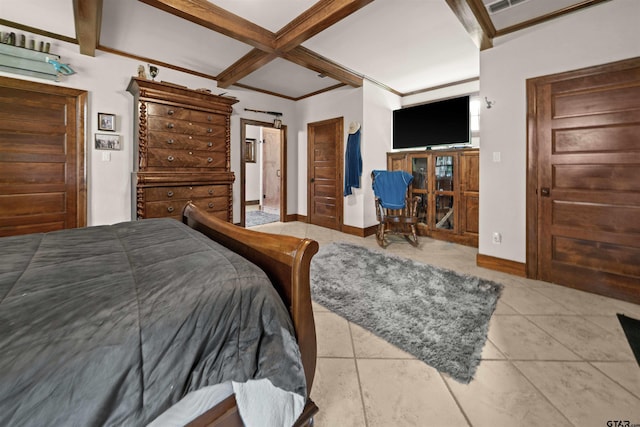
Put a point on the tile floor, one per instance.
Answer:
(554, 357)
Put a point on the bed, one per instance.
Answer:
(156, 322)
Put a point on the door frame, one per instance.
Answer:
(243, 168)
(340, 169)
(533, 166)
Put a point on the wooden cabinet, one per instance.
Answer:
(182, 152)
(447, 182)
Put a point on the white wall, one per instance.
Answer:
(345, 102)
(376, 142)
(442, 93)
(599, 34)
(105, 77)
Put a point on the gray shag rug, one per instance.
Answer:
(439, 316)
(253, 218)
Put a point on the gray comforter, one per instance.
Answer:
(111, 325)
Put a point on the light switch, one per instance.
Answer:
(496, 156)
(106, 156)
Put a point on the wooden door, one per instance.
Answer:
(42, 178)
(271, 170)
(324, 170)
(585, 137)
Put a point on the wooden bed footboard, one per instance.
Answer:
(286, 260)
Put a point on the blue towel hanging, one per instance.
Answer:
(391, 187)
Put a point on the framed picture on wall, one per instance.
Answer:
(107, 122)
(108, 141)
(250, 150)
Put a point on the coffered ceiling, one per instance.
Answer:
(293, 48)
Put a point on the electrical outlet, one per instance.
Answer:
(497, 238)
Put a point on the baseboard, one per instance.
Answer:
(295, 217)
(355, 231)
(360, 232)
(500, 264)
(252, 202)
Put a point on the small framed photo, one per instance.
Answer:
(108, 141)
(107, 122)
(250, 150)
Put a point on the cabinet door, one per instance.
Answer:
(397, 162)
(420, 185)
(444, 191)
(470, 193)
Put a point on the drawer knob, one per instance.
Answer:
(170, 141)
(170, 158)
(210, 205)
(209, 160)
(209, 118)
(209, 130)
(169, 193)
(191, 153)
(210, 144)
(170, 112)
(170, 125)
(170, 209)
(211, 191)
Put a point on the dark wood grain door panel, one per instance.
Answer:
(587, 131)
(42, 178)
(325, 165)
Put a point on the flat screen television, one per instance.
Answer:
(434, 124)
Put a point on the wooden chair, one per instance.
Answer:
(396, 212)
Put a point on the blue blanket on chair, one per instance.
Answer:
(391, 187)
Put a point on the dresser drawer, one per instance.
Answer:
(187, 142)
(174, 208)
(191, 192)
(210, 118)
(185, 127)
(167, 111)
(213, 204)
(161, 158)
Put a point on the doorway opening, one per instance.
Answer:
(263, 193)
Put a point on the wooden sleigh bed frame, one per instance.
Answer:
(286, 260)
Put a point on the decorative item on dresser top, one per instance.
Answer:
(182, 151)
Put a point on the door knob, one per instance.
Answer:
(545, 192)
(313, 180)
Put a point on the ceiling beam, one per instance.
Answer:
(215, 18)
(244, 66)
(475, 19)
(267, 45)
(312, 61)
(87, 15)
(314, 20)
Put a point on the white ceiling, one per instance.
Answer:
(405, 45)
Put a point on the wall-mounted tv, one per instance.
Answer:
(437, 123)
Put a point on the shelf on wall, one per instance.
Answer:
(20, 60)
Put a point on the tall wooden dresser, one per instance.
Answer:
(182, 152)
